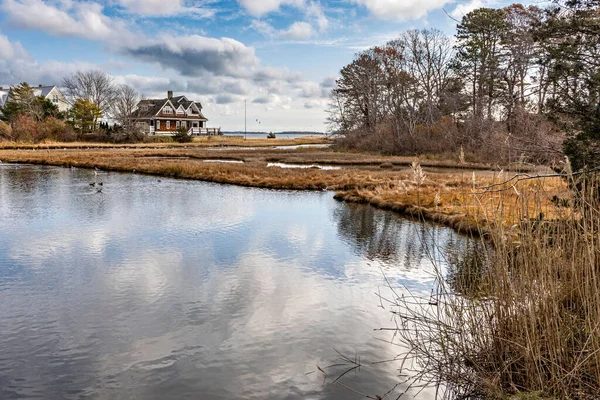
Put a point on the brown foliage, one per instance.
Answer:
(55, 130)
(25, 129)
(5, 131)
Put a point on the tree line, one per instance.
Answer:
(93, 99)
(517, 82)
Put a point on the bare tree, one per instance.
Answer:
(123, 105)
(94, 85)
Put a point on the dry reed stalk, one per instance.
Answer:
(526, 320)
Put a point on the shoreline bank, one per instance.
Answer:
(447, 197)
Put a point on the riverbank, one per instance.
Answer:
(447, 192)
(198, 142)
(539, 281)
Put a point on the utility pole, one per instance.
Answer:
(245, 121)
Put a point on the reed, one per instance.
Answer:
(523, 319)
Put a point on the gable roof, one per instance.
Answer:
(42, 91)
(153, 106)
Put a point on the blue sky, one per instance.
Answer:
(281, 56)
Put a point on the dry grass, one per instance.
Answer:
(203, 141)
(447, 195)
(528, 320)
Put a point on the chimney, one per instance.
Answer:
(40, 85)
(170, 94)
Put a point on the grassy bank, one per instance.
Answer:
(448, 192)
(527, 320)
(166, 142)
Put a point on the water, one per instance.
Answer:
(161, 288)
(302, 166)
(279, 135)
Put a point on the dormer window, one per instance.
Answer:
(167, 110)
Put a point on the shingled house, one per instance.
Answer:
(166, 116)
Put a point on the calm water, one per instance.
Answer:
(157, 289)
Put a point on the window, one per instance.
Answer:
(167, 110)
(55, 99)
(177, 125)
(183, 124)
(168, 124)
(157, 125)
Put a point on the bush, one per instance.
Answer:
(25, 129)
(182, 136)
(5, 131)
(55, 129)
(271, 135)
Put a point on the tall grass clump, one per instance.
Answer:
(520, 318)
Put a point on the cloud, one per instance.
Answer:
(11, 50)
(464, 8)
(315, 13)
(315, 104)
(259, 8)
(309, 90)
(195, 55)
(164, 8)
(401, 10)
(226, 99)
(85, 20)
(299, 30)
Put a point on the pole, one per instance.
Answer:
(245, 121)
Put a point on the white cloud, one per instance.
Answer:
(85, 20)
(11, 50)
(299, 31)
(464, 8)
(315, 13)
(262, 7)
(309, 89)
(401, 9)
(164, 8)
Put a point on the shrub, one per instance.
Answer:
(5, 131)
(25, 129)
(182, 136)
(55, 129)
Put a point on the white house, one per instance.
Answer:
(51, 93)
(3, 96)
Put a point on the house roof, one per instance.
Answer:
(43, 90)
(153, 106)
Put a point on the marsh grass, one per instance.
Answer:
(521, 318)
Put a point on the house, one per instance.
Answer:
(3, 96)
(51, 93)
(166, 116)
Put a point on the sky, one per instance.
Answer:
(279, 57)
